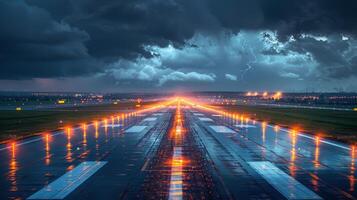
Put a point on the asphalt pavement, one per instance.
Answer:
(177, 152)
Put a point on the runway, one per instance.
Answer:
(177, 152)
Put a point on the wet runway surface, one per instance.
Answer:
(177, 152)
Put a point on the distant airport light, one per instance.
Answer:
(62, 101)
(277, 95)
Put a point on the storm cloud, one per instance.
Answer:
(255, 44)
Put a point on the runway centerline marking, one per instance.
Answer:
(176, 182)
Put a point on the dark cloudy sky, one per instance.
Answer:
(162, 45)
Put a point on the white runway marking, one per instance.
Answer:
(150, 119)
(244, 126)
(222, 129)
(67, 183)
(112, 125)
(135, 129)
(40, 138)
(205, 119)
(342, 146)
(285, 184)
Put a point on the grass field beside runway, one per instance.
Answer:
(340, 125)
(18, 124)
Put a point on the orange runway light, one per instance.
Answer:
(351, 177)
(47, 149)
(276, 128)
(247, 120)
(68, 133)
(84, 134)
(263, 130)
(13, 149)
(84, 126)
(317, 152)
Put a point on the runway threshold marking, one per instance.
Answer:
(282, 182)
(68, 182)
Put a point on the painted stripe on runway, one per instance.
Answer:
(244, 126)
(112, 125)
(285, 184)
(135, 129)
(176, 181)
(150, 119)
(205, 119)
(222, 129)
(332, 143)
(39, 138)
(67, 183)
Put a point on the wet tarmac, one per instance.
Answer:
(178, 152)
